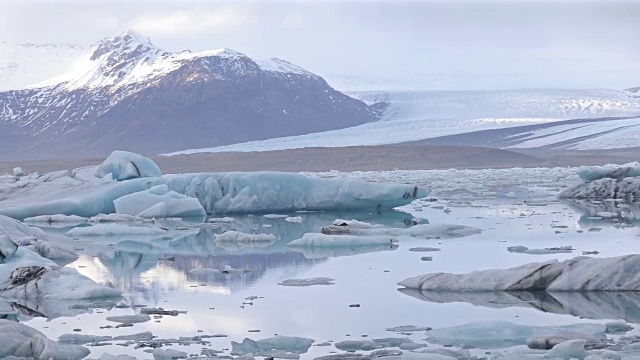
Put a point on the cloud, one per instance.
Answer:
(184, 23)
(293, 20)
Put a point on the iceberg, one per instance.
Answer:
(159, 202)
(609, 181)
(612, 171)
(27, 275)
(22, 341)
(443, 231)
(115, 230)
(237, 237)
(322, 240)
(124, 165)
(262, 192)
(217, 193)
(582, 273)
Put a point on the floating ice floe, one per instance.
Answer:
(546, 251)
(603, 182)
(420, 230)
(307, 282)
(124, 165)
(237, 237)
(289, 346)
(577, 274)
(501, 334)
(21, 341)
(115, 230)
(217, 193)
(322, 240)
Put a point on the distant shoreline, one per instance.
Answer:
(359, 158)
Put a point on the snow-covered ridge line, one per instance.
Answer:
(130, 58)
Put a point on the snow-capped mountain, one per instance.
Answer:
(24, 64)
(126, 93)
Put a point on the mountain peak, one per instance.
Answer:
(126, 42)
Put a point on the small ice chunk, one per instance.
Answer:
(358, 345)
(569, 349)
(80, 339)
(143, 336)
(124, 165)
(17, 171)
(129, 319)
(617, 326)
(275, 216)
(115, 230)
(307, 282)
(314, 239)
(240, 237)
(290, 344)
(546, 251)
(225, 219)
(408, 328)
(424, 249)
(294, 219)
(168, 354)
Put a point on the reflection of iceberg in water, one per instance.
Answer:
(593, 305)
(606, 212)
(162, 263)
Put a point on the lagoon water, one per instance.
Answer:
(364, 300)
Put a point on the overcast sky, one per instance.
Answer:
(416, 44)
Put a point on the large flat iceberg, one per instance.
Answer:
(75, 193)
(620, 273)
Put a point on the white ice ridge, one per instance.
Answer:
(609, 181)
(218, 193)
(577, 274)
(358, 228)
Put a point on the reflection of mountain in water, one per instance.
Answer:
(606, 212)
(162, 263)
(593, 305)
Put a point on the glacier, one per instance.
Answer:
(581, 273)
